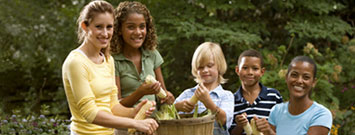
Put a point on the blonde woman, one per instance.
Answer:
(89, 78)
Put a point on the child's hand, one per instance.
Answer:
(263, 126)
(202, 93)
(169, 99)
(146, 89)
(241, 120)
(184, 106)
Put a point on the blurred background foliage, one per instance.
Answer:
(36, 36)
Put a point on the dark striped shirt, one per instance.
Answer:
(267, 98)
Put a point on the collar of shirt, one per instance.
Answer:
(218, 90)
(145, 54)
(263, 93)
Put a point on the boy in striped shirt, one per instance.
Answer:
(252, 99)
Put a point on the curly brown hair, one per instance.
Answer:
(121, 13)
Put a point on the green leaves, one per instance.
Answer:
(330, 28)
(36, 36)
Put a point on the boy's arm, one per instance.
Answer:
(184, 106)
(228, 107)
(237, 130)
(240, 122)
(182, 103)
(279, 97)
(202, 93)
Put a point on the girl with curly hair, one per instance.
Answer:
(133, 47)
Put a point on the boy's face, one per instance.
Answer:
(208, 73)
(300, 80)
(249, 71)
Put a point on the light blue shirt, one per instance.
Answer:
(224, 99)
(288, 124)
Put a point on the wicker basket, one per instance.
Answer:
(187, 126)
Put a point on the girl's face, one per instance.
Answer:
(208, 73)
(134, 30)
(300, 80)
(100, 29)
(249, 71)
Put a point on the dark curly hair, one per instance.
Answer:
(121, 14)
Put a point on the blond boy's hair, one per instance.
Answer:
(202, 55)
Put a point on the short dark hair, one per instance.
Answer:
(251, 53)
(304, 59)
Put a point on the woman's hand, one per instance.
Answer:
(147, 89)
(184, 106)
(241, 120)
(147, 126)
(168, 99)
(263, 126)
(149, 112)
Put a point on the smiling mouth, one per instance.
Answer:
(204, 76)
(138, 40)
(249, 78)
(103, 40)
(298, 88)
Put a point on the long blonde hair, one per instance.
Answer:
(88, 13)
(202, 56)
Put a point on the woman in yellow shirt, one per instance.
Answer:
(89, 78)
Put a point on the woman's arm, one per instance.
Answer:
(321, 122)
(159, 76)
(122, 111)
(105, 119)
(318, 130)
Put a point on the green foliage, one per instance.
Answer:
(36, 37)
(34, 42)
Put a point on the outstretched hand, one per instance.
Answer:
(149, 112)
(169, 99)
(241, 119)
(202, 93)
(147, 89)
(147, 126)
(184, 106)
(263, 126)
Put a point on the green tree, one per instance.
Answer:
(36, 37)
